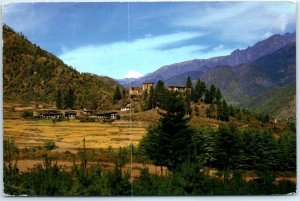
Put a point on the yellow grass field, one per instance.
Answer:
(68, 135)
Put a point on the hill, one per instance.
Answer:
(281, 103)
(248, 85)
(33, 74)
(177, 73)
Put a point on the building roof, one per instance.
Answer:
(51, 114)
(70, 112)
(106, 113)
(135, 87)
(176, 87)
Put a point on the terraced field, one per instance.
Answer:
(68, 135)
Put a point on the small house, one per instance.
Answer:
(135, 91)
(126, 108)
(51, 114)
(108, 116)
(147, 86)
(180, 89)
(70, 114)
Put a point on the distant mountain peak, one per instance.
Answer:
(202, 66)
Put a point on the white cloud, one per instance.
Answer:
(239, 21)
(144, 54)
(133, 74)
(219, 47)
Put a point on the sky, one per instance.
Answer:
(125, 40)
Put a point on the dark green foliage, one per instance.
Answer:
(210, 95)
(204, 145)
(169, 142)
(159, 98)
(49, 180)
(69, 99)
(119, 184)
(27, 114)
(218, 96)
(223, 111)
(225, 146)
(10, 169)
(188, 83)
(59, 99)
(117, 95)
(245, 149)
(199, 91)
(188, 95)
(263, 117)
(148, 99)
(145, 184)
(49, 145)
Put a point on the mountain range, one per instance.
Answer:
(243, 76)
(176, 73)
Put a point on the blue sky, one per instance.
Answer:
(132, 39)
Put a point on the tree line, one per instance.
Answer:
(173, 141)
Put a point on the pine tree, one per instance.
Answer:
(223, 111)
(59, 99)
(169, 142)
(188, 87)
(69, 99)
(218, 96)
(150, 102)
(117, 95)
(159, 94)
(198, 92)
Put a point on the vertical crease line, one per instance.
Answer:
(130, 121)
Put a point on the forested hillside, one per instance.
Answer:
(249, 85)
(32, 74)
(281, 102)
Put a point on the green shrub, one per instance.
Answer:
(27, 114)
(49, 145)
